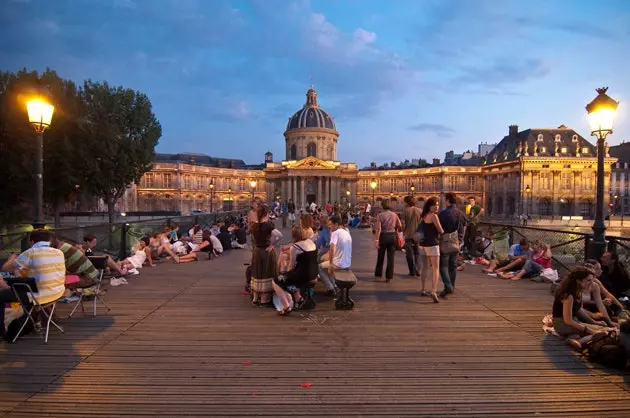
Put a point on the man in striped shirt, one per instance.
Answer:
(77, 263)
(41, 262)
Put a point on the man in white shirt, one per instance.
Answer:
(338, 257)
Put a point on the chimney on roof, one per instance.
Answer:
(436, 161)
(513, 131)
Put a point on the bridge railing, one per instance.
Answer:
(568, 248)
(116, 238)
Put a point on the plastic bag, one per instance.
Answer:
(550, 275)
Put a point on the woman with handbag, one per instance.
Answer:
(387, 226)
(430, 229)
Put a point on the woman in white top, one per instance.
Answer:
(142, 254)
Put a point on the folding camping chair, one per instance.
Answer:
(99, 263)
(24, 289)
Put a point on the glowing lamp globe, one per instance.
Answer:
(601, 113)
(40, 114)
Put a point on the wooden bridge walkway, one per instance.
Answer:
(183, 340)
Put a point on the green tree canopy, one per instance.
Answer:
(123, 131)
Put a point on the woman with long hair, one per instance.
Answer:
(430, 228)
(567, 307)
(597, 300)
(387, 226)
(306, 222)
(264, 266)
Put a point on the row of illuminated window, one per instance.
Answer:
(420, 184)
(169, 181)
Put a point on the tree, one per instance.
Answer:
(17, 143)
(122, 133)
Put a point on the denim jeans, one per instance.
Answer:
(413, 256)
(387, 243)
(448, 270)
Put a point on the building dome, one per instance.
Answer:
(311, 115)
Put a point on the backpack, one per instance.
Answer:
(605, 349)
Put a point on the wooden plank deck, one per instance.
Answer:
(182, 340)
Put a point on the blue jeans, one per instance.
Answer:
(448, 270)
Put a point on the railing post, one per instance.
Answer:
(587, 244)
(612, 244)
(511, 236)
(123, 242)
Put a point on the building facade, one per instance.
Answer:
(536, 172)
(620, 179)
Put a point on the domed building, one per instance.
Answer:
(311, 132)
(311, 171)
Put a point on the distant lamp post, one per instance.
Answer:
(40, 114)
(528, 193)
(615, 197)
(373, 185)
(412, 189)
(230, 196)
(76, 197)
(211, 195)
(348, 197)
(601, 117)
(253, 184)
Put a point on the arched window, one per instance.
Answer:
(293, 152)
(311, 150)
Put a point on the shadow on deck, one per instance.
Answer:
(183, 340)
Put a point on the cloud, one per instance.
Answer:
(442, 131)
(502, 72)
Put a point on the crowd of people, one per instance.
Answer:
(62, 270)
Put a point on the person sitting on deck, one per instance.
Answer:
(224, 238)
(615, 275)
(240, 235)
(518, 255)
(306, 222)
(298, 266)
(77, 263)
(139, 257)
(89, 242)
(217, 247)
(41, 262)
(159, 244)
(201, 252)
(567, 307)
(339, 256)
(597, 300)
(323, 235)
(541, 259)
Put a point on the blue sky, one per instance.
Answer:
(403, 79)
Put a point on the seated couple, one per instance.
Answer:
(570, 319)
(524, 260)
(298, 266)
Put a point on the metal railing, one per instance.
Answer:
(568, 248)
(117, 238)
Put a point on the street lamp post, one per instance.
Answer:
(601, 116)
(373, 185)
(528, 193)
(253, 184)
(412, 189)
(40, 114)
(211, 195)
(230, 197)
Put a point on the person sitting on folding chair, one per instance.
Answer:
(78, 264)
(41, 262)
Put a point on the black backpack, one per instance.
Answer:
(605, 349)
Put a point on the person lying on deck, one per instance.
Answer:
(518, 255)
(89, 242)
(541, 259)
(139, 257)
(201, 252)
(160, 244)
(567, 306)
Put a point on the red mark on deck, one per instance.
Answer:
(254, 393)
(244, 293)
(247, 363)
(306, 385)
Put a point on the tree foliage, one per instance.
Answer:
(124, 132)
(102, 138)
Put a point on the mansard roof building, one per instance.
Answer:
(539, 172)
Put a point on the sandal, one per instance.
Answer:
(434, 296)
(285, 311)
(424, 293)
